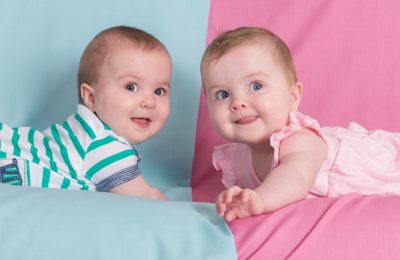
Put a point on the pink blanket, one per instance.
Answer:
(351, 227)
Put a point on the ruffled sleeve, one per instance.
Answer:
(297, 122)
(222, 160)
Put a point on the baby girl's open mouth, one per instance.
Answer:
(246, 120)
(142, 122)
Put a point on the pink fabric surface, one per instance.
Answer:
(350, 227)
(347, 56)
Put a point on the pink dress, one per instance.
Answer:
(358, 160)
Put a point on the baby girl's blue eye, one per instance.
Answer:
(255, 86)
(160, 92)
(222, 94)
(132, 87)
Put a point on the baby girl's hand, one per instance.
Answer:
(236, 202)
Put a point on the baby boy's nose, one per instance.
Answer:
(148, 101)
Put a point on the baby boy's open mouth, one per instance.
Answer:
(141, 121)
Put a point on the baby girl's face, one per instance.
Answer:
(248, 95)
(132, 93)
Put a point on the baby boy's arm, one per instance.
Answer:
(138, 187)
(301, 157)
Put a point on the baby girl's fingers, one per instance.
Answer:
(246, 194)
(224, 199)
(220, 212)
(232, 192)
(230, 215)
(221, 206)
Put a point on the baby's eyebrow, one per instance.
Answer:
(129, 76)
(256, 74)
(168, 84)
(210, 90)
(212, 87)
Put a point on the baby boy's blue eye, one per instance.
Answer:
(160, 92)
(132, 87)
(255, 86)
(222, 94)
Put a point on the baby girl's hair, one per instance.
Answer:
(243, 35)
(100, 47)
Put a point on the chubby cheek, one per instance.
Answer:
(164, 113)
(162, 117)
(220, 124)
(107, 118)
(120, 125)
(222, 132)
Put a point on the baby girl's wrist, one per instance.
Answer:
(262, 201)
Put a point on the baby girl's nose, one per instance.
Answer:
(238, 105)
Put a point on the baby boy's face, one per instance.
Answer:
(247, 92)
(132, 93)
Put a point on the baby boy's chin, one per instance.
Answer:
(139, 138)
(137, 135)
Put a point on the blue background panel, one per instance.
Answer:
(41, 43)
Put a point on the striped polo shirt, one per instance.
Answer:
(81, 153)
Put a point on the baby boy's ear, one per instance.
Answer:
(296, 92)
(87, 94)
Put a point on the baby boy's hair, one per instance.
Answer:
(99, 48)
(233, 38)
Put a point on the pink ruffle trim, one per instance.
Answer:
(222, 161)
(297, 121)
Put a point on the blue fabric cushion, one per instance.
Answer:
(58, 224)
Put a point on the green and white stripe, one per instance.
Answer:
(77, 154)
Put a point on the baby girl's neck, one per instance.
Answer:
(263, 149)
(261, 158)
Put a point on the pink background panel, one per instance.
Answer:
(347, 55)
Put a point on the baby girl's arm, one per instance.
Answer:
(301, 156)
(138, 187)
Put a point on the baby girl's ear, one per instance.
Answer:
(87, 94)
(296, 92)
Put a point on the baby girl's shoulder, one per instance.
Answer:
(299, 121)
(299, 127)
(303, 139)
